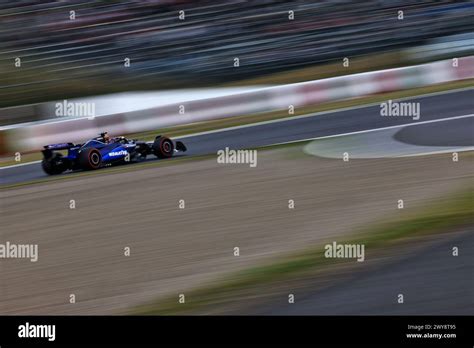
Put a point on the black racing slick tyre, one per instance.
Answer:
(53, 165)
(90, 159)
(163, 147)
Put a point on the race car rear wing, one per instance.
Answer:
(48, 149)
(62, 146)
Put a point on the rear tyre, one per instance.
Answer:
(90, 159)
(54, 165)
(163, 147)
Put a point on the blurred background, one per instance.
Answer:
(65, 55)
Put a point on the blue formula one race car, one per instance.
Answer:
(104, 151)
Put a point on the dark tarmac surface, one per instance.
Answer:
(459, 133)
(432, 281)
(439, 106)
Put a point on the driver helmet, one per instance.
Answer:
(106, 137)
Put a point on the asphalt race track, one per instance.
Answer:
(432, 107)
(459, 133)
(424, 277)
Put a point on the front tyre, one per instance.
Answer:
(90, 159)
(163, 147)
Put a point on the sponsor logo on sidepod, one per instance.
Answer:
(118, 153)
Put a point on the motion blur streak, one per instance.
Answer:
(63, 51)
